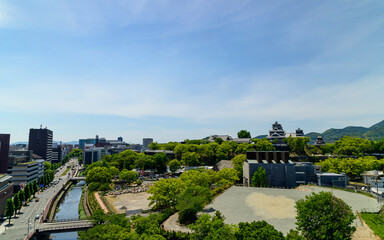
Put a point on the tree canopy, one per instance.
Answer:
(259, 178)
(174, 165)
(324, 216)
(128, 175)
(257, 230)
(165, 192)
(99, 174)
(244, 134)
(191, 201)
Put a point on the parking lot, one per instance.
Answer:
(277, 206)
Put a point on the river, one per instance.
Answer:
(68, 209)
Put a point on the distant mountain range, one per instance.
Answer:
(58, 142)
(375, 132)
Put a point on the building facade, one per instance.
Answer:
(146, 143)
(40, 142)
(4, 151)
(280, 171)
(24, 167)
(6, 191)
(92, 155)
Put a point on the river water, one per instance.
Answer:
(68, 209)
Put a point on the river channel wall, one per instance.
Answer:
(49, 214)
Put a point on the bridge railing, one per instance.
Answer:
(65, 220)
(47, 229)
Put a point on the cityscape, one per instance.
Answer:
(200, 120)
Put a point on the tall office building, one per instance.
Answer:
(4, 151)
(146, 143)
(40, 142)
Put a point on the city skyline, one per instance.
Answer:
(173, 70)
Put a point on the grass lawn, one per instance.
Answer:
(375, 222)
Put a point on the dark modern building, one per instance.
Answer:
(282, 172)
(56, 154)
(6, 191)
(4, 151)
(40, 142)
(146, 143)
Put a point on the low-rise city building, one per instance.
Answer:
(6, 191)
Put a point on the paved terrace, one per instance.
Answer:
(277, 206)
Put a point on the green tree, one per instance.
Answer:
(17, 203)
(161, 161)
(35, 187)
(165, 193)
(10, 209)
(154, 146)
(294, 235)
(27, 192)
(99, 174)
(208, 227)
(259, 178)
(114, 171)
(263, 145)
(227, 175)
(257, 230)
(244, 134)
(297, 145)
(129, 176)
(191, 201)
(144, 162)
(174, 165)
(238, 163)
(191, 159)
(244, 148)
(219, 140)
(353, 146)
(21, 195)
(47, 166)
(324, 216)
(196, 178)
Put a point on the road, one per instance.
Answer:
(18, 228)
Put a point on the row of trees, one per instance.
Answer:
(129, 159)
(350, 146)
(47, 178)
(99, 175)
(14, 204)
(209, 153)
(74, 153)
(353, 167)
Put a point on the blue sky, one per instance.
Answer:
(174, 70)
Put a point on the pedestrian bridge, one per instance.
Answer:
(64, 225)
(76, 179)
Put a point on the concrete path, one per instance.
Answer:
(101, 203)
(171, 224)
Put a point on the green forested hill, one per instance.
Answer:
(375, 132)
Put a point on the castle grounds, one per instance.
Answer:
(277, 206)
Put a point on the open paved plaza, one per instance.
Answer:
(129, 202)
(277, 206)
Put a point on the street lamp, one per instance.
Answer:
(28, 227)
